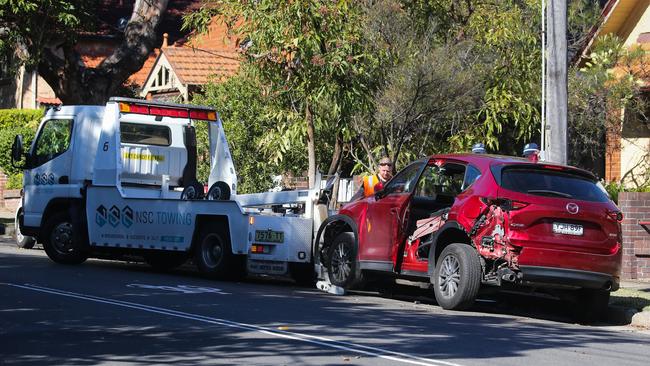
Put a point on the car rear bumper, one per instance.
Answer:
(551, 277)
(569, 262)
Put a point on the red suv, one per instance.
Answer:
(462, 221)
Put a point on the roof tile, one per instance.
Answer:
(195, 66)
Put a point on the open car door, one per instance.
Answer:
(386, 217)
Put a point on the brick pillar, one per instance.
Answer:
(636, 241)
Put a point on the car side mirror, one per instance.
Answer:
(17, 150)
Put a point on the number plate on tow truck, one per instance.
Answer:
(568, 229)
(267, 267)
(269, 236)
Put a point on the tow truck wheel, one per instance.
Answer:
(219, 192)
(22, 241)
(457, 277)
(342, 264)
(193, 191)
(58, 240)
(214, 258)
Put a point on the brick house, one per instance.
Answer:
(627, 151)
(180, 70)
(27, 90)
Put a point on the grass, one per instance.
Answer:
(630, 298)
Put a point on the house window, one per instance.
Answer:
(637, 125)
(163, 78)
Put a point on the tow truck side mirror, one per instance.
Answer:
(17, 150)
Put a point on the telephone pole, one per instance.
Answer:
(555, 126)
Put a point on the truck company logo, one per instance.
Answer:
(114, 216)
(44, 179)
(101, 215)
(127, 217)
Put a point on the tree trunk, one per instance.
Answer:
(311, 146)
(74, 83)
(336, 156)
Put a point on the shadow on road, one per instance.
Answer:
(56, 336)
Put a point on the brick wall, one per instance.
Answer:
(636, 241)
(9, 198)
(613, 149)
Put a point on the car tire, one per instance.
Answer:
(214, 258)
(59, 240)
(22, 241)
(165, 261)
(342, 263)
(457, 277)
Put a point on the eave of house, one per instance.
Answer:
(618, 17)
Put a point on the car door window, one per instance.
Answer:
(471, 176)
(441, 181)
(404, 181)
(52, 141)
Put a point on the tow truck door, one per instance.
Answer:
(50, 166)
(386, 216)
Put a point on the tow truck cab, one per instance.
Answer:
(157, 148)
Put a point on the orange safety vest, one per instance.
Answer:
(369, 182)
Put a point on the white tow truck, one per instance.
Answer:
(119, 181)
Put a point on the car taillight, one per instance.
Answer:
(616, 215)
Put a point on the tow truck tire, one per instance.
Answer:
(58, 240)
(193, 191)
(214, 258)
(457, 277)
(342, 263)
(165, 261)
(22, 241)
(219, 192)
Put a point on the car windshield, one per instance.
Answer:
(551, 183)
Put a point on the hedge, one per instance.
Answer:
(12, 123)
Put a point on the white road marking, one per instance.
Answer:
(185, 289)
(317, 340)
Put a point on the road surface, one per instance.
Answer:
(105, 312)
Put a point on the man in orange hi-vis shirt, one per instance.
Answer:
(384, 174)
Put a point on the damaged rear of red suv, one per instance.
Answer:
(462, 221)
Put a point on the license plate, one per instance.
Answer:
(267, 267)
(568, 229)
(269, 236)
